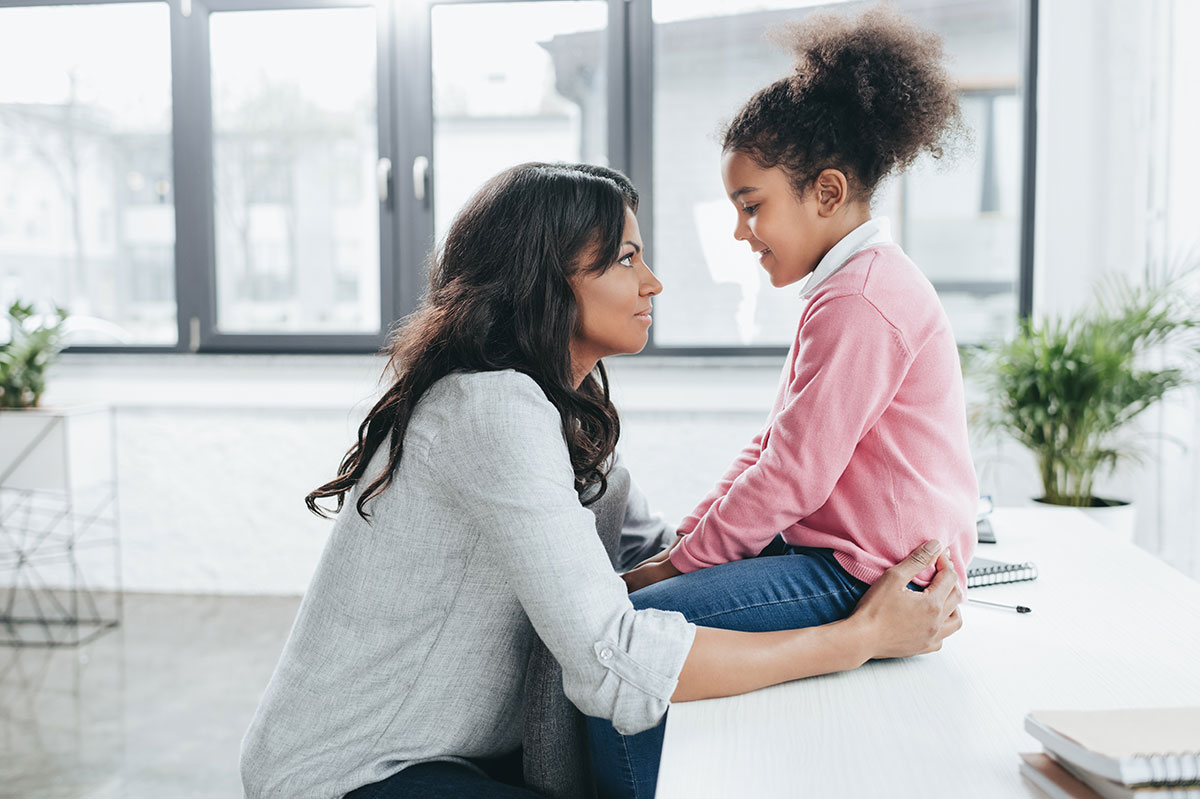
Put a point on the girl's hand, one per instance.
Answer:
(661, 556)
(897, 622)
(649, 573)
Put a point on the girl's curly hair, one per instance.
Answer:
(869, 94)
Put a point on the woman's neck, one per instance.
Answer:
(580, 369)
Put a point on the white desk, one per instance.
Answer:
(1111, 626)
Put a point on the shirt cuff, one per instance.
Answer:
(646, 666)
(682, 558)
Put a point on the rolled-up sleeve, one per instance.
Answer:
(507, 463)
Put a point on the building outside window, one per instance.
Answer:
(334, 153)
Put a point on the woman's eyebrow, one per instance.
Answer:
(741, 191)
(637, 247)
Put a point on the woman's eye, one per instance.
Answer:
(626, 260)
(750, 209)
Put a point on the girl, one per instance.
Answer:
(865, 451)
(465, 538)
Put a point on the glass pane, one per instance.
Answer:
(710, 57)
(87, 210)
(296, 145)
(514, 82)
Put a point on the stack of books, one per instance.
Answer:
(1115, 754)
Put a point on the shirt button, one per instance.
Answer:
(606, 654)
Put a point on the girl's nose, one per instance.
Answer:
(741, 230)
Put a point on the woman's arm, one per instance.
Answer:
(890, 621)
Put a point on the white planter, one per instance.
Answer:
(1118, 516)
(56, 449)
(58, 526)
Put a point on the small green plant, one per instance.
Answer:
(1065, 388)
(33, 344)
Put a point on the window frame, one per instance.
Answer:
(405, 133)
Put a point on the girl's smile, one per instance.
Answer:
(789, 234)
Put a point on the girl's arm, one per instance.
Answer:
(850, 362)
(890, 621)
(745, 459)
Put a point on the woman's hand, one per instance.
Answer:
(650, 572)
(897, 622)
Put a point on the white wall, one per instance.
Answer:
(216, 453)
(1117, 165)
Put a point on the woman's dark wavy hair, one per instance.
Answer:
(869, 94)
(499, 298)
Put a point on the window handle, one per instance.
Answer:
(383, 179)
(420, 176)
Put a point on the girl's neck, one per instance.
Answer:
(847, 219)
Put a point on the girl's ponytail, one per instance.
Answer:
(868, 96)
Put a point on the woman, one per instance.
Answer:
(403, 674)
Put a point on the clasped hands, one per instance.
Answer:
(652, 570)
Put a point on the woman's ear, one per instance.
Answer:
(832, 191)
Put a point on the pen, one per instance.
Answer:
(1017, 608)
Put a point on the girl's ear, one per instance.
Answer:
(832, 191)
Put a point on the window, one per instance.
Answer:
(85, 150)
(270, 175)
(294, 148)
(514, 82)
(960, 222)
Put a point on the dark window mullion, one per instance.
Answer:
(389, 298)
(195, 286)
(639, 107)
(413, 103)
(619, 131)
(1029, 89)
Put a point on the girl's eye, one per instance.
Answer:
(626, 260)
(750, 209)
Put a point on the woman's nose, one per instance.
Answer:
(650, 284)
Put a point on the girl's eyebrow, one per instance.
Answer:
(741, 191)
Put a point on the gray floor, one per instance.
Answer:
(155, 709)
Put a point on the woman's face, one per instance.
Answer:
(788, 234)
(614, 306)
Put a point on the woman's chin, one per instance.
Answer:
(635, 347)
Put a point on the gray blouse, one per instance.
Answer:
(412, 640)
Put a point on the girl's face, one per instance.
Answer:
(614, 306)
(789, 235)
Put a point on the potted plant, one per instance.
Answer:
(1067, 388)
(33, 344)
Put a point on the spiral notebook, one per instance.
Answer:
(1150, 746)
(981, 571)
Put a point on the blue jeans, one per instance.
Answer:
(784, 588)
(446, 780)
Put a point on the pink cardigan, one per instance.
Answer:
(865, 450)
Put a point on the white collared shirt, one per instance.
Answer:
(871, 233)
